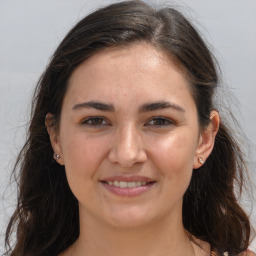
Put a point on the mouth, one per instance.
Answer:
(124, 184)
(128, 186)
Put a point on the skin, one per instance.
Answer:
(162, 145)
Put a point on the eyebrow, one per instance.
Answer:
(144, 108)
(160, 105)
(95, 105)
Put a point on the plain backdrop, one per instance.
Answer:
(31, 30)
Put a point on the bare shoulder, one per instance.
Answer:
(247, 253)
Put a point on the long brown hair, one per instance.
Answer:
(46, 217)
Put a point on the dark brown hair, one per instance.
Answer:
(46, 217)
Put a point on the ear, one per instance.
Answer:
(54, 138)
(206, 140)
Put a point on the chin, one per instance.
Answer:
(130, 218)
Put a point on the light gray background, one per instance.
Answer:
(31, 30)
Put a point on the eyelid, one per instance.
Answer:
(94, 118)
(165, 119)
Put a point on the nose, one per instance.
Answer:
(127, 149)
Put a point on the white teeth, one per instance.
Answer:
(124, 184)
(131, 184)
(138, 183)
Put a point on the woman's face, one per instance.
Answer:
(129, 137)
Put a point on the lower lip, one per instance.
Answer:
(128, 192)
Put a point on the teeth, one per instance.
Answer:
(124, 184)
(138, 183)
(131, 184)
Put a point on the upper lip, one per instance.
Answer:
(128, 178)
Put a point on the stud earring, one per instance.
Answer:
(200, 160)
(57, 156)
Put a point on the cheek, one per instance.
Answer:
(82, 154)
(174, 155)
(82, 158)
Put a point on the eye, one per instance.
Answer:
(95, 121)
(159, 121)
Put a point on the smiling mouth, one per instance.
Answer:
(128, 186)
(131, 184)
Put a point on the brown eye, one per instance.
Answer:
(159, 121)
(95, 121)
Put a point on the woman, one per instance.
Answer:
(126, 153)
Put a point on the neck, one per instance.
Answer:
(163, 238)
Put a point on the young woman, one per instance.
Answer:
(126, 153)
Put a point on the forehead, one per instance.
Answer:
(139, 69)
(131, 56)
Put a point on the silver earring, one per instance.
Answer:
(57, 156)
(200, 160)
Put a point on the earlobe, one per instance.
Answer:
(206, 140)
(54, 138)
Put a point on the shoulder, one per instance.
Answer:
(247, 253)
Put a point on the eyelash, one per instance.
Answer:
(159, 122)
(93, 121)
(98, 121)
